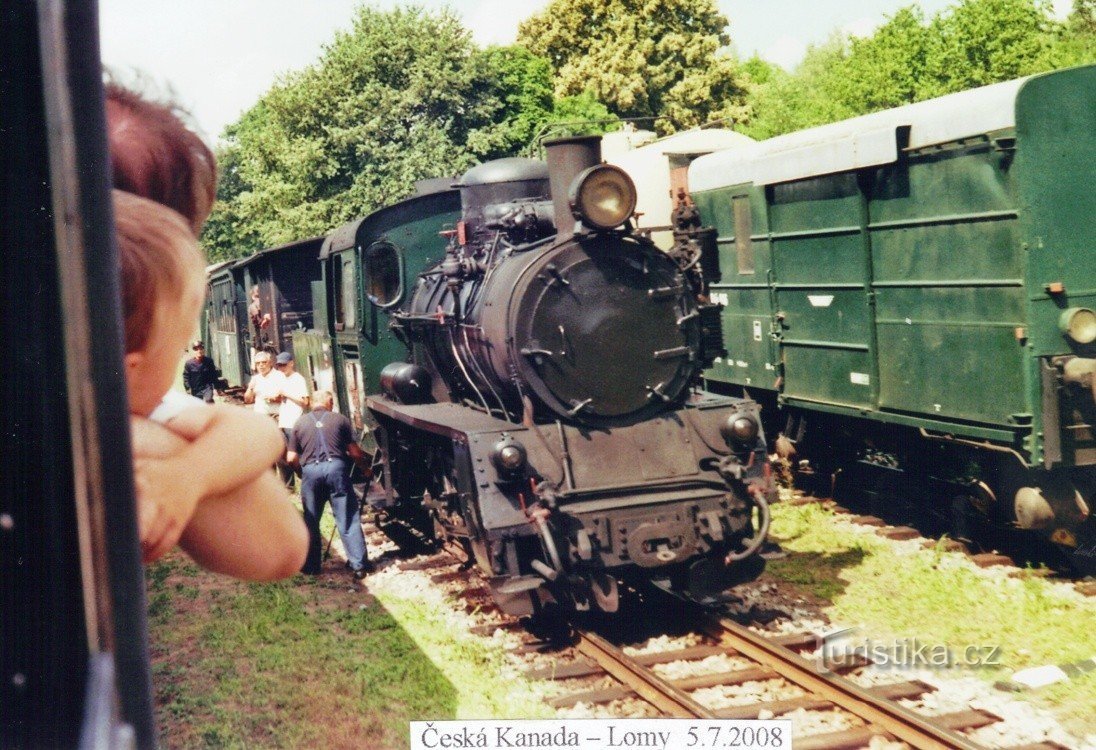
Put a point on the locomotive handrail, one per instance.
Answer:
(647, 487)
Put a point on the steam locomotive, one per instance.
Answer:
(546, 416)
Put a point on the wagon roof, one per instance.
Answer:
(345, 236)
(861, 141)
(214, 267)
(281, 248)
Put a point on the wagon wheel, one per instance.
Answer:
(1079, 547)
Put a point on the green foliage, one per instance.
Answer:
(521, 85)
(985, 41)
(401, 96)
(581, 114)
(886, 69)
(640, 57)
(793, 101)
(227, 234)
(1076, 38)
(909, 58)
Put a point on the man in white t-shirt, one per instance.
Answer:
(295, 402)
(264, 390)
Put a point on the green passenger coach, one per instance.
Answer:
(922, 280)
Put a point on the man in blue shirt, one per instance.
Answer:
(323, 441)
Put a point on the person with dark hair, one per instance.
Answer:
(200, 374)
(155, 155)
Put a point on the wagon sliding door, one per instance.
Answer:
(949, 267)
(821, 263)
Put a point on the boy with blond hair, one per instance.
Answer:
(204, 482)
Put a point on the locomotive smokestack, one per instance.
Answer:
(567, 157)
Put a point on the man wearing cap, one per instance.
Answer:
(294, 404)
(323, 442)
(200, 374)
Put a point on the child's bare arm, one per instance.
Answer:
(253, 533)
(229, 446)
(226, 448)
(219, 531)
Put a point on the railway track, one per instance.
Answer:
(773, 658)
(584, 656)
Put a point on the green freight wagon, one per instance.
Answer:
(921, 282)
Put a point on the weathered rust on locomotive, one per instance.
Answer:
(548, 416)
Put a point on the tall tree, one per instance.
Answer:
(781, 102)
(520, 84)
(908, 59)
(1076, 37)
(979, 42)
(887, 68)
(642, 58)
(399, 97)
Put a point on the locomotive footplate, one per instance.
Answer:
(666, 493)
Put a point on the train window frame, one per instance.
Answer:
(344, 285)
(391, 250)
(743, 234)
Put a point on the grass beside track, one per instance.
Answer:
(325, 663)
(941, 598)
(311, 662)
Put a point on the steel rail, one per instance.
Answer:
(647, 685)
(905, 725)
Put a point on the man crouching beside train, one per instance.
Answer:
(323, 441)
(204, 481)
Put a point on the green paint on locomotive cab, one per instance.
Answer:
(360, 341)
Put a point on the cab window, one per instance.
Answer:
(383, 274)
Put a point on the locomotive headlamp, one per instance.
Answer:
(740, 430)
(603, 197)
(1079, 323)
(509, 457)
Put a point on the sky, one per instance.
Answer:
(217, 57)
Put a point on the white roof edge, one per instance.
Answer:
(863, 141)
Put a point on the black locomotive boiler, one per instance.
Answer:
(548, 417)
